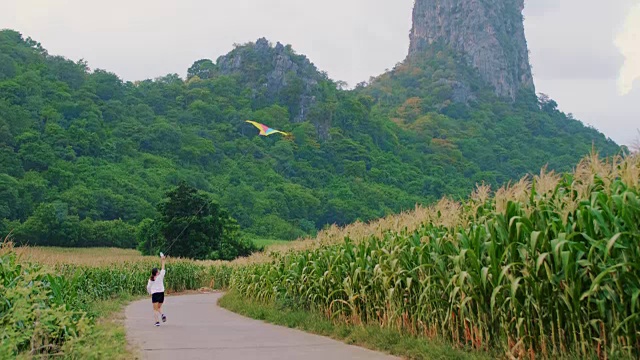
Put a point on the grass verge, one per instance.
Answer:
(368, 336)
(107, 338)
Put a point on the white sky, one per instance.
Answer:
(585, 53)
(628, 42)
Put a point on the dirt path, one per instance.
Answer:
(197, 328)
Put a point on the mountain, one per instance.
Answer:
(85, 156)
(465, 90)
(274, 75)
(489, 34)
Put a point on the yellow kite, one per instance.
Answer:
(265, 130)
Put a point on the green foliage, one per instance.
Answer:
(150, 238)
(495, 140)
(203, 69)
(51, 224)
(34, 317)
(554, 275)
(192, 226)
(79, 147)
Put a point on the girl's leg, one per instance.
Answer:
(164, 318)
(156, 311)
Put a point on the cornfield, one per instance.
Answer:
(545, 268)
(46, 296)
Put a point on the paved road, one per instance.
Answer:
(197, 328)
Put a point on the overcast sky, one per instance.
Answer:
(585, 53)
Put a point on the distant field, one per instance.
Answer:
(79, 256)
(269, 242)
(97, 257)
(94, 257)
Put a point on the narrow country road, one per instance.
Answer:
(197, 328)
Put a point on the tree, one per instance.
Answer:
(8, 196)
(150, 239)
(195, 227)
(50, 225)
(106, 85)
(7, 67)
(547, 104)
(202, 68)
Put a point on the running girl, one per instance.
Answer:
(155, 287)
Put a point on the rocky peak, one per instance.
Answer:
(275, 73)
(488, 33)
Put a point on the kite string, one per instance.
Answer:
(185, 228)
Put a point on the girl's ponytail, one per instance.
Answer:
(154, 272)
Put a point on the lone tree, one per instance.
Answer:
(191, 225)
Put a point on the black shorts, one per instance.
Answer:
(157, 298)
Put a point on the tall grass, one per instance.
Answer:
(543, 268)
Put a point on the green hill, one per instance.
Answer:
(85, 156)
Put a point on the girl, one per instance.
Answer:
(155, 287)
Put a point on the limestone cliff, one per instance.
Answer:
(488, 33)
(275, 73)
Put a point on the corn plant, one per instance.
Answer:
(546, 268)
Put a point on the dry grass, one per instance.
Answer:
(451, 213)
(92, 257)
(80, 256)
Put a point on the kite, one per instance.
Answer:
(265, 130)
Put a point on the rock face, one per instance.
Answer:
(275, 73)
(489, 33)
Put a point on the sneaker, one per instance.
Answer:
(164, 318)
(158, 324)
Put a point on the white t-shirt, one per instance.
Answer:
(156, 286)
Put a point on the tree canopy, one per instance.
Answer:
(85, 157)
(191, 225)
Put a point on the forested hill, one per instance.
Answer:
(85, 156)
